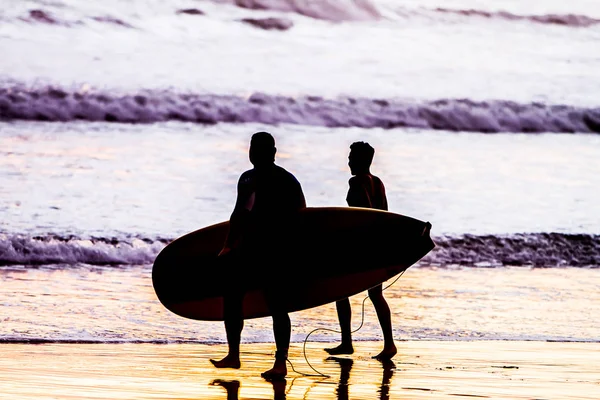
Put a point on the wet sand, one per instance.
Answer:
(422, 369)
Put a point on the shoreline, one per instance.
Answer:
(421, 369)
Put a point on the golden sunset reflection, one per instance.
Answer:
(422, 369)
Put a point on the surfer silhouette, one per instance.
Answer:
(365, 190)
(267, 195)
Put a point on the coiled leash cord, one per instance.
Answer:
(362, 320)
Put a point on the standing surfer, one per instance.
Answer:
(365, 190)
(267, 195)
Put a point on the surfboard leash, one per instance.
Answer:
(362, 321)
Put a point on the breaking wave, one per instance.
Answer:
(531, 249)
(326, 10)
(57, 14)
(570, 20)
(69, 250)
(40, 16)
(56, 104)
(329, 10)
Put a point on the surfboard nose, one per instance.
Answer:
(426, 229)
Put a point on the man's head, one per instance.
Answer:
(361, 157)
(262, 149)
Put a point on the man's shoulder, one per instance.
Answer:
(365, 180)
(284, 173)
(377, 179)
(247, 176)
(358, 180)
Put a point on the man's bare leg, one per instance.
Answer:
(234, 324)
(345, 318)
(282, 330)
(385, 320)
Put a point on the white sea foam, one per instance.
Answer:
(55, 104)
(540, 250)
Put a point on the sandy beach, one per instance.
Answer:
(422, 369)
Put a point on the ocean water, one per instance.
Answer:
(125, 124)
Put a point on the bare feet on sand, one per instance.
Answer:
(341, 349)
(278, 372)
(227, 362)
(386, 354)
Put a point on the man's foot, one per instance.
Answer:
(278, 372)
(341, 349)
(386, 354)
(227, 362)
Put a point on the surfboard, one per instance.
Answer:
(323, 255)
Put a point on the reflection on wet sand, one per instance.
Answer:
(232, 387)
(345, 365)
(343, 383)
(423, 369)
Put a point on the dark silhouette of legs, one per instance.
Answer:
(282, 330)
(234, 323)
(345, 318)
(385, 321)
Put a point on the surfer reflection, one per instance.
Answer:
(365, 190)
(346, 365)
(278, 388)
(388, 371)
(233, 388)
(266, 196)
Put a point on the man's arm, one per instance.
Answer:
(300, 198)
(357, 194)
(240, 214)
(384, 198)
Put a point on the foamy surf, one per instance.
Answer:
(57, 104)
(527, 250)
